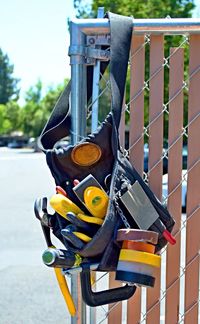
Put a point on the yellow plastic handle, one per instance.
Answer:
(90, 219)
(62, 205)
(140, 257)
(96, 201)
(83, 237)
(65, 291)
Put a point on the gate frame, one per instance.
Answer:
(80, 29)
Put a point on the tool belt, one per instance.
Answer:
(99, 156)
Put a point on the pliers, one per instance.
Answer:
(41, 213)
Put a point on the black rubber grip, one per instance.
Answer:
(137, 278)
(71, 237)
(99, 298)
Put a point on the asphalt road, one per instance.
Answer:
(29, 293)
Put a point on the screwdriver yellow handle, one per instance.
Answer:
(85, 238)
(62, 205)
(90, 219)
(65, 291)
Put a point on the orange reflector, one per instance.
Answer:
(86, 154)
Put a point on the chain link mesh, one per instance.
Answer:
(104, 95)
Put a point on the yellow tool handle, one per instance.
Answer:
(62, 205)
(65, 291)
(140, 257)
(83, 237)
(90, 219)
(96, 201)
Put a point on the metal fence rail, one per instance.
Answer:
(175, 297)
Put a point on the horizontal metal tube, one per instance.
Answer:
(79, 269)
(167, 26)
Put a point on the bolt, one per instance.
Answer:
(92, 40)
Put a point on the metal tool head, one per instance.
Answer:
(40, 209)
(41, 213)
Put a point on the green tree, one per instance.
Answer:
(34, 93)
(144, 9)
(8, 84)
(10, 118)
(137, 8)
(37, 109)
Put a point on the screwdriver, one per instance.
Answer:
(60, 258)
(159, 227)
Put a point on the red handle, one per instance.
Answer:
(169, 237)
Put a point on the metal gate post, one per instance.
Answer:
(78, 82)
(95, 88)
(78, 113)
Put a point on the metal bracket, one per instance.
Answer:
(94, 43)
(98, 39)
(98, 54)
(92, 51)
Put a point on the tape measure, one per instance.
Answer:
(136, 267)
(141, 257)
(138, 278)
(137, 261)
(138, 246)
(137, 235)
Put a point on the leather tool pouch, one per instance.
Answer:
(64, 167)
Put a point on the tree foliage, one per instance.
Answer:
(144, 9)
(8, 84)
(33, 115)
(10, 117)
(137, 8)
(35, 112)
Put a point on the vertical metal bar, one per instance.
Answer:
(193, 200)
(78, 112)
(94, 125)
(78, 101)
(78, 84)
(137, 62)
(95, 94)
(95, 88)
(176, 78)
(155, 152)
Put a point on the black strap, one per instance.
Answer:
(59, 124)
(121, 33)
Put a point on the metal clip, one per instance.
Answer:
(103, 55)
(90, 53)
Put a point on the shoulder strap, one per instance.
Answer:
(59, 124)
(121, 33)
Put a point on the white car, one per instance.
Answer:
(183, 184)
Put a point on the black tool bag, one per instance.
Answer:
(103, 246)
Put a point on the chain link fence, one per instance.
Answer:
(159, 132)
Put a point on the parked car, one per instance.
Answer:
(62, 143)
(165, 159)
(15, 144)
(146, 160)
(184, 188)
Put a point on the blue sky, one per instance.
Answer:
(34, 34)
